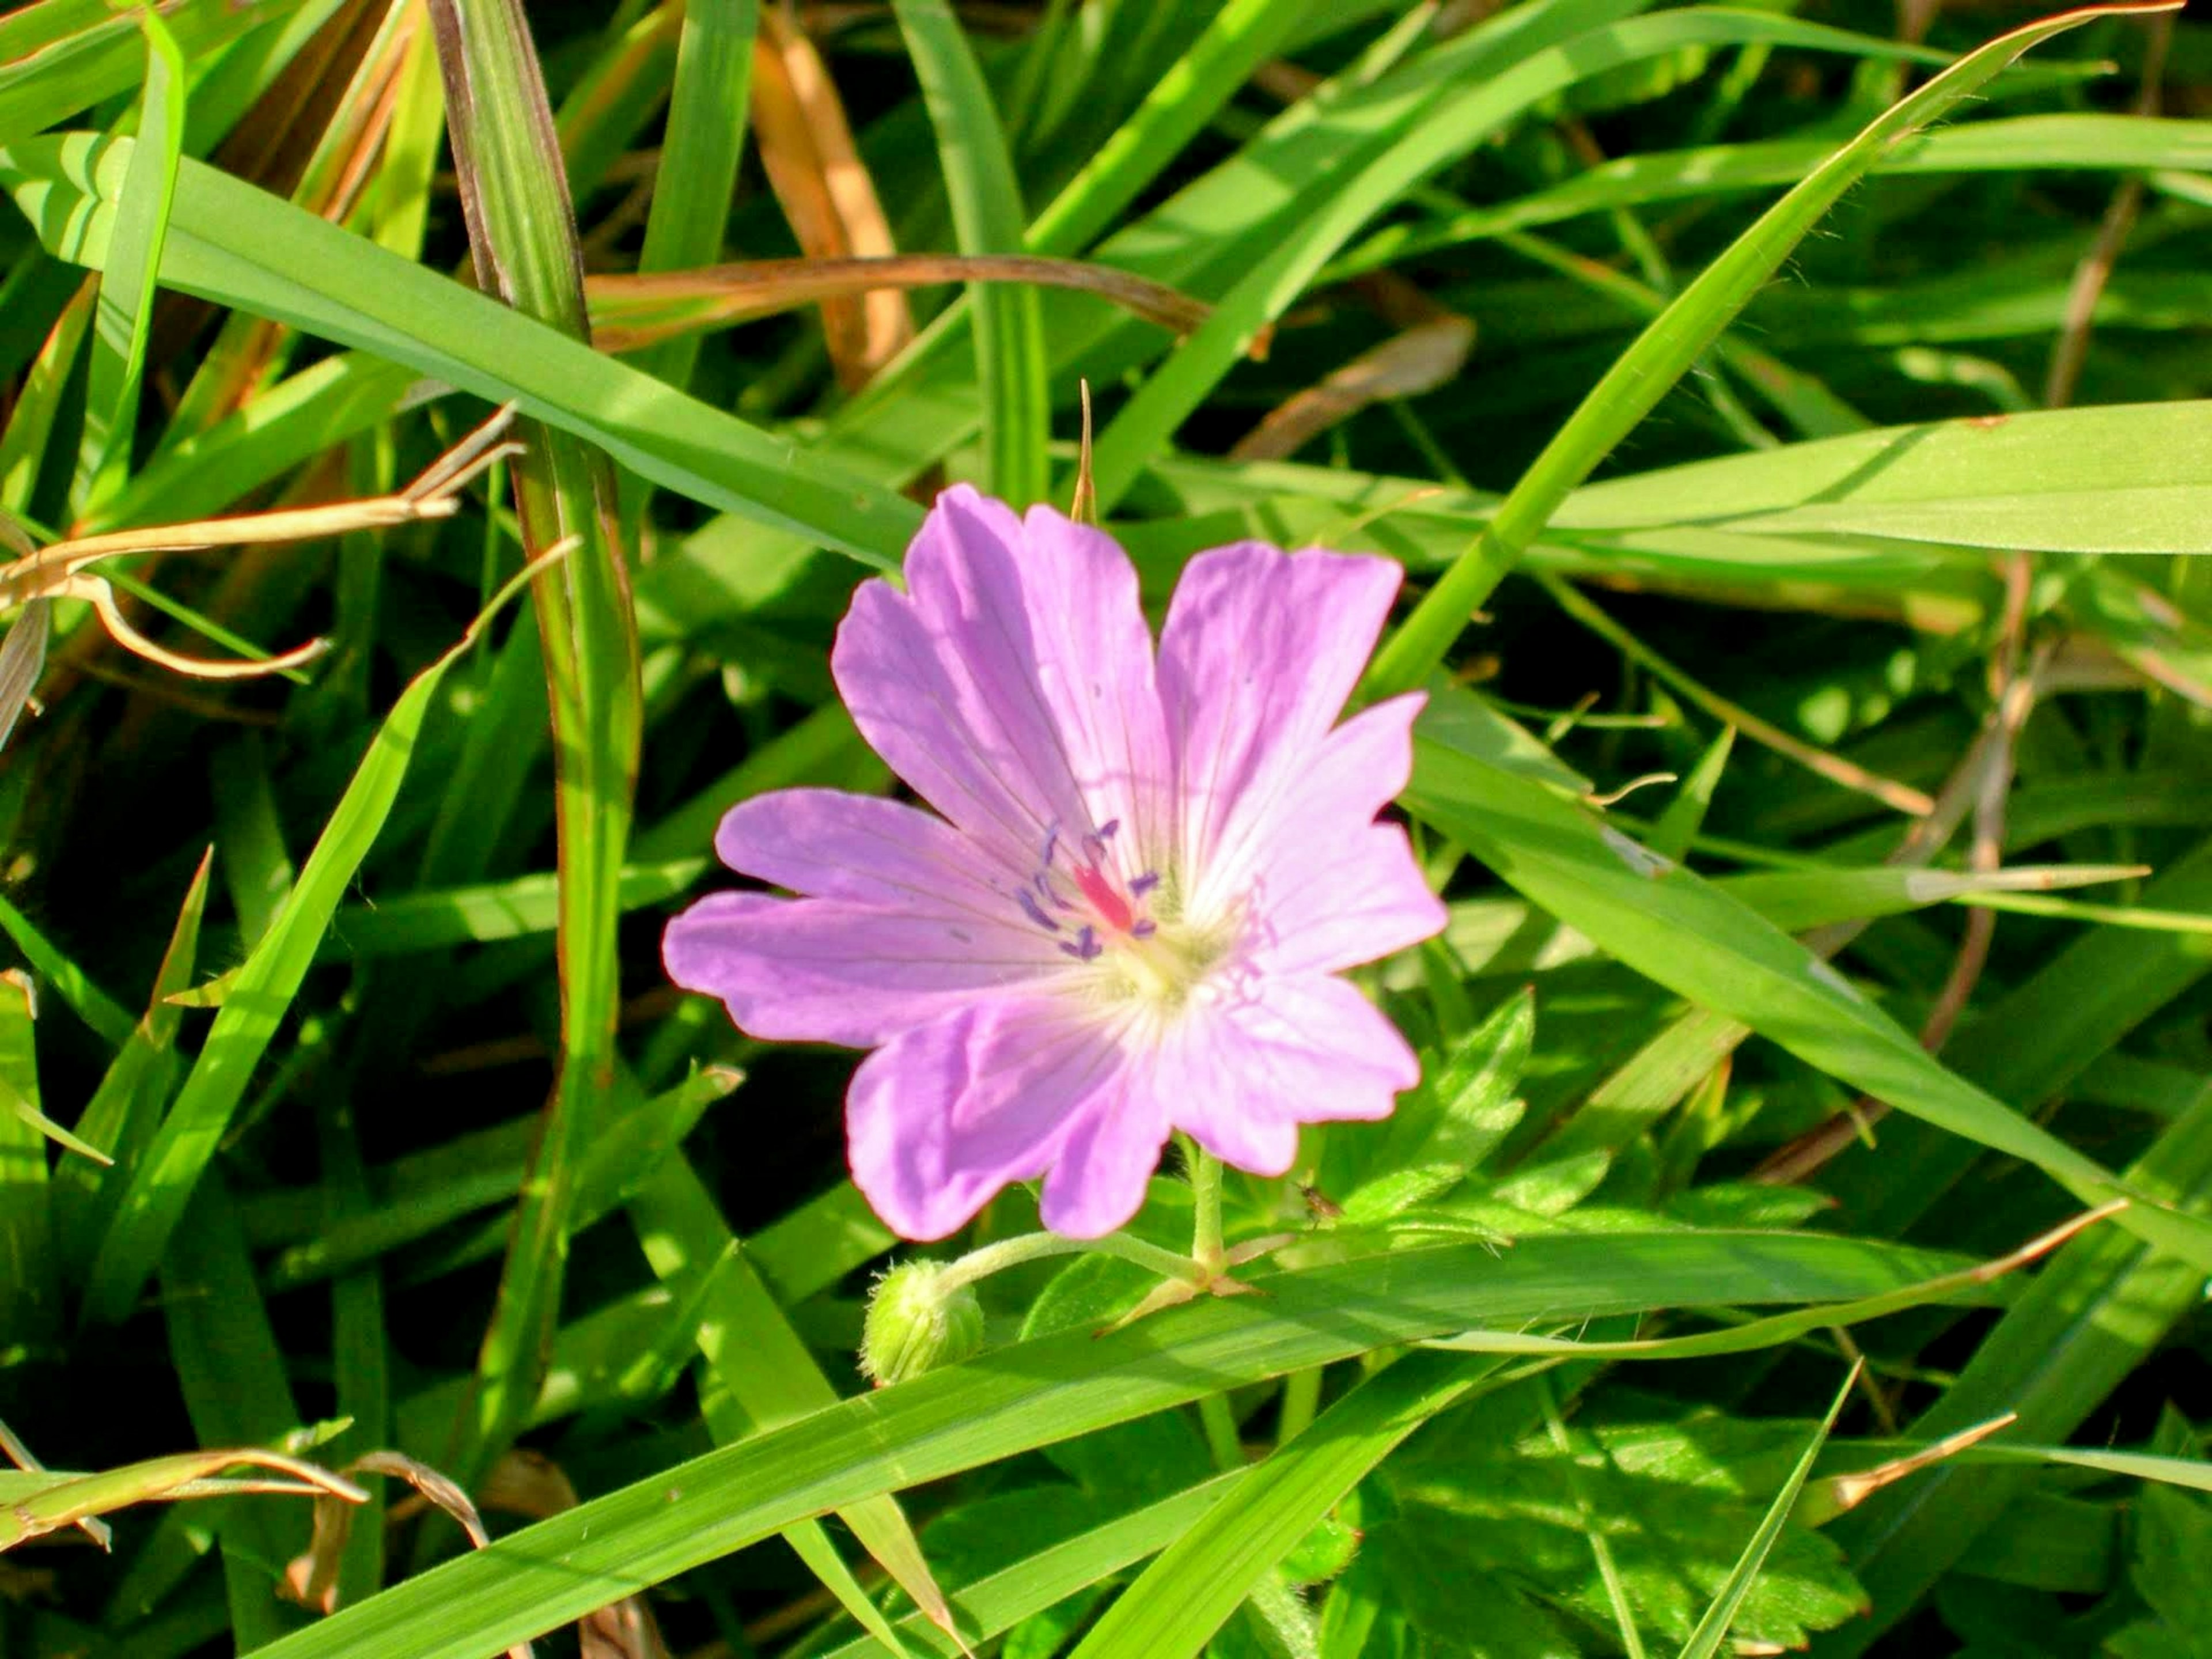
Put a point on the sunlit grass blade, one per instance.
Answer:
(1776, 1328)
(1669, 925)
(145, 1216)
(1664, 351)
(240, 246)
(1512, 66)
(30, 1288)
(987, 216)
(697, 171)
(1177, 1603)
(1712, 1630)
(125, 315)
(747, 1341)
(1048, 1390)
(2091, 1317)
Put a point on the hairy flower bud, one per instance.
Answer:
(917, 1322)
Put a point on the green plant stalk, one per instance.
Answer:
(697, 174)
(987, 218)
(1667, 349)
(522, 234)
(1037, 1247)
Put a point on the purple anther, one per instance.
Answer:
(1144, 930)
(1086, 945)
(1144, 883)
(1035, 911)
(1106, 829)
(1051, 844)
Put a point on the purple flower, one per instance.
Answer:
(1147, 876)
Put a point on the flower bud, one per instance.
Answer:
(917, 1322)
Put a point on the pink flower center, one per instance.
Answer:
(1081, 900)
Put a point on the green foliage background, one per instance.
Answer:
(1807, 402)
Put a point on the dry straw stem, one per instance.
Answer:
(310, 1579)
(73, 1499)
(632, 312)
(56, 572)
(1834, 768)
(1430, 348)
(815, 169)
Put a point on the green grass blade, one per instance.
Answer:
(126, 315)
(147, 1215)
(2092, 1317)
(987, 217)
(1178, 1602)
(31, 422)
(2087, 481)
(1447, 120)
(995, 1604)
(747, 1341)
(1712, 1630)
(2073, 140)
(1052, 1389)
(523, 235)
(122, 1114)
(1966, 1284)
(239, 246)
(1242, 35)
(30, 1285)
(1674, 927)
(1665, 351)
(697, 173)
(62, 56)
(232, 1374)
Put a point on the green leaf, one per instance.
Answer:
(1499, 1504)
(1712, 1630)
(1462, 1109)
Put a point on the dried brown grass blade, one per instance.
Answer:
(631, 312)
(56, 571)
(528, 1484)
(310, 1579)
(815, 169)
(1430, 350)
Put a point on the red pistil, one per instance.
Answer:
(1113, 909)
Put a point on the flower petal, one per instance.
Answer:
(1303, 1049)
(1333, 888)
(1259, 651)
(1012, 687)
(943, 1116)
(830, 970)
(1101, 1172)
(825, 843)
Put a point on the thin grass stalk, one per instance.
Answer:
(522, 235)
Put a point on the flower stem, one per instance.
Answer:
(1037, 1247)
(1205, 1246)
